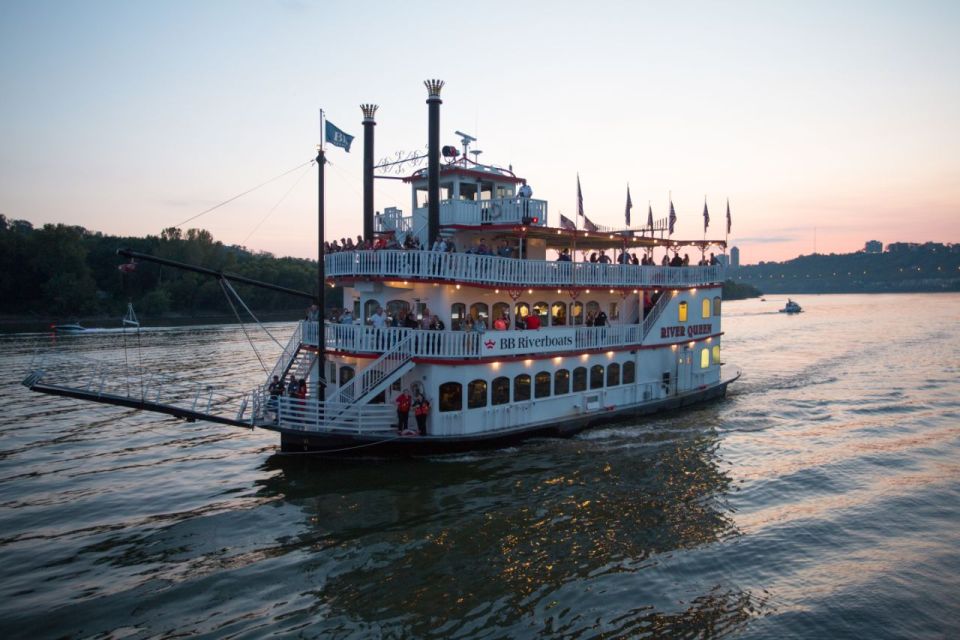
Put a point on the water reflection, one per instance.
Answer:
(508, 538)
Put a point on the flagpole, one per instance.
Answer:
(321, 275)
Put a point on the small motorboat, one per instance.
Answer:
(791, 307)
(74, 327)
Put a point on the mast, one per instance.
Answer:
(321, 281)
(369, 111)
(433, 159)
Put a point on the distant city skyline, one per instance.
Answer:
(835, 119)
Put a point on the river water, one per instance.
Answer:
(821, 499)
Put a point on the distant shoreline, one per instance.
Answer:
(18, 323)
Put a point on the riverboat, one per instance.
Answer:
(495, 321)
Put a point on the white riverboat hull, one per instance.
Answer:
(388, 444)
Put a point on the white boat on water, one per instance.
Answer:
(791, 307)
(502, 330)
(73, 327)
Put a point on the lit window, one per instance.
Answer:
(576, 312)
(500, 390)
(613, 375)
(542, 309)
(458, 311)
(478, 311)
(629, 373)
(558, 314)
(477, 394)
(716, 354)
(705, 308)
(596, 376)
(451, 396)
(579, 379)
(704, 358)
(682, 312)
(541, 385)
(716, 306)
(521, 387)
(561, 382)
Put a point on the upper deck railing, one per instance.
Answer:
(506, 272)
(493, 211)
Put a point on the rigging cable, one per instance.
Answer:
(240, 195)
(279, 202)
(242, 326)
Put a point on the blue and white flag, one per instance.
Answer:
(338, 138)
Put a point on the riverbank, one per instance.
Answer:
(23, 323)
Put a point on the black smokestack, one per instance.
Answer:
(433, 159)
(369, 111)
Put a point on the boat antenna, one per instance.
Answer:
(465, 140)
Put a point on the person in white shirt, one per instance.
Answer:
(525, 193)
(379, 319)
(347, 317)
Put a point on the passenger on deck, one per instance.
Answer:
(379, 318)
(403, 402)
(677, 261)
(437, 324)
(421, 409)
(593, 257)
(501, 323)
(591, 318)
(666, 260)
(504, 250)
(346, 317)
(293, 387)
(533, 322)
(713, 260)
(564, 256)
(604, 258)
(686, 259)
(624, 258)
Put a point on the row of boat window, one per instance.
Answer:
(561, 380)
(541, 385)
(556, 314)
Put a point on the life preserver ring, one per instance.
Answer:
(495, 211)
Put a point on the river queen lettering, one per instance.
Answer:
(691, 331)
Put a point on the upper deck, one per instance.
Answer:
(512, 272)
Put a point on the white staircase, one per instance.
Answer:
(662, 303)
(378, 376)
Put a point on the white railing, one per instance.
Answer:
(376, 373)
(467, 344)
(492, 211)
(309, 415)
(465, 267)
(102, 378)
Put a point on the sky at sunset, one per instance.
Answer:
(836, 120)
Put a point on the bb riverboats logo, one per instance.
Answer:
(489, 344)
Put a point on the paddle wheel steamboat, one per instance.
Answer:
(534, 341)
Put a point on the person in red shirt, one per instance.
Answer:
(421, 409)
(403, 409)
(533, 321)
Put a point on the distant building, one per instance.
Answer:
(873, 246)
(734, 257)
(723, 260)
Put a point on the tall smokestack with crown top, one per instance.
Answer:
(369, 111)
(433, 159)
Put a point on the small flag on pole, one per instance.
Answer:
(567, 223)
(579, 198)
(589, 226)
(673, 218)
(706, 216)
(337, 137)
(629, 206)
(650, 216)
(728, 216)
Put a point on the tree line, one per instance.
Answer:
(61, 270)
